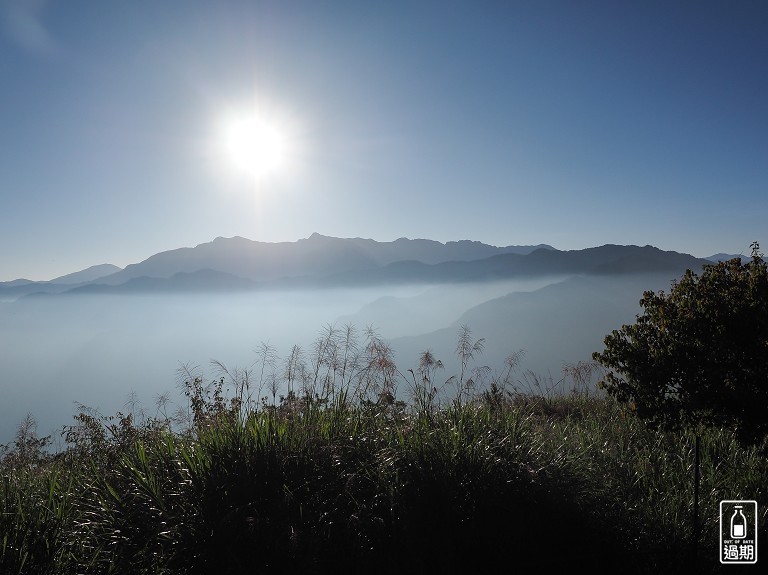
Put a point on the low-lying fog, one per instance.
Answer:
(97, 350)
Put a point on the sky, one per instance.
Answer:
(127, 127)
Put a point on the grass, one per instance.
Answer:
(341, 477)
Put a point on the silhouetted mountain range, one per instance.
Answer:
(311, 257)
(321, 261)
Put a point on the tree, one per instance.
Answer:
(698, 354)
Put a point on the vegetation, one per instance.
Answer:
(340, 462)
(700, 353)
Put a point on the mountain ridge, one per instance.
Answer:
(320, 261)
(315, 255)
(269, 261)
(87, 275)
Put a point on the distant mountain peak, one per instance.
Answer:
(223, 240)
(87, 275)
(721, 257)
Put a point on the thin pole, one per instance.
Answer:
(696, 483)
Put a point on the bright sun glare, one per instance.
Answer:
(255, 144)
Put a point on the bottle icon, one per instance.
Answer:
(738, 524)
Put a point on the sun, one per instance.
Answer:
(255, 144)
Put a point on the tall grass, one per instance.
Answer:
(340, 475)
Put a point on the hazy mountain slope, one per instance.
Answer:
(721, 257)
(249, 259)
(87, 275)
(433, 252)
(561, 323)
(314, 256)
(611, 258)
(608, 259)
(21, 287)
(16, 283)
(204, 280)
(434, 306)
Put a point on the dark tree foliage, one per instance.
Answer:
(698, 354)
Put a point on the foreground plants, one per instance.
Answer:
(313, 487)
(340, 476)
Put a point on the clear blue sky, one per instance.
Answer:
(570, 123)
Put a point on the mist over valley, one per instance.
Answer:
(116, 341)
